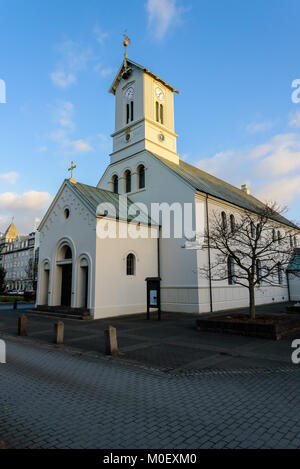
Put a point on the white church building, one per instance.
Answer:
(106, 275)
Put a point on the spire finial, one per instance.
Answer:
(126, 43)
(72, 169)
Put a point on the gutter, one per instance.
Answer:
(209, 257)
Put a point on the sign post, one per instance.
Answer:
(153, 296)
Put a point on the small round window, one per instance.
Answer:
(66, 213)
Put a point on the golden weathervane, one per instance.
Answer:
(126, 43)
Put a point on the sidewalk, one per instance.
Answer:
(173, 345)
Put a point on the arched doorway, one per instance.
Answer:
(62, 277)
(66, 277)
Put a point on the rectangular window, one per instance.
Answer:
(132, 115)
(127, 113)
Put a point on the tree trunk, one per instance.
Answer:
(252, 301)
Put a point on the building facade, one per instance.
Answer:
(18, 258)
(79, 268)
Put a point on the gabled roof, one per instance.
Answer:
(11, 232)
(92, 197)
(131, 62)
(95, 196)
(204, 182)
(295, 262)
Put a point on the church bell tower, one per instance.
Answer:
(144, 113)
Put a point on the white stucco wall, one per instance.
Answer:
(178, 266)
(116, 293)
(79, 232)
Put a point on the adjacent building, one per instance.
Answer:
(18, 257)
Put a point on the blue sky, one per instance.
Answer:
(233, 61)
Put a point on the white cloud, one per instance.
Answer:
(11, 177)
(73, 59)
(295, 120)
(63, 135)
(272, 169)
(257, 127)
(62, 79)
(26, 208)
(100, 34)
(285, 190)
(63, 114)
(220, 165)
(43, 148)
(103, 138)
(162, 14)
(103, 71)
(80, 146)
(31, 200)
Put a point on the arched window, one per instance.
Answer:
(157, 111)
(232, 223)
(68, 253)
(162, 114)
(258, 271)
(127, 181)
(231, 271)
(279, 271)
(295, 241)
(141, 176)
(252, 229)
(258, 230)
(224, 221)
(130, 265)
(132, 110)
(279, 237)
(274, 236)
(129, 112)
(115, 183)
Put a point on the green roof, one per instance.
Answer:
(95, 196)
(295, 262)
(215, 187)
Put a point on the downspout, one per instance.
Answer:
(288, 284)
(158, 251)
(209, 257)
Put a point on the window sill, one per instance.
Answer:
(135, 192)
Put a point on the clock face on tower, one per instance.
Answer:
(159, 94)
(129, 93)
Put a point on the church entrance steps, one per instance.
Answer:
(80, 314)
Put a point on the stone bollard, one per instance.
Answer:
(111, 342)
(15, 304)
(22, 326)
(59, 329)
(2, 445)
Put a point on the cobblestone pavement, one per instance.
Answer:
(174, 344)
(52, 398)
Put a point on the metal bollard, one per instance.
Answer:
(15, 304)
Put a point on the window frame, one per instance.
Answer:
(130, 265)
(141, 176)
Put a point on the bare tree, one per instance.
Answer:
(251, 249)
